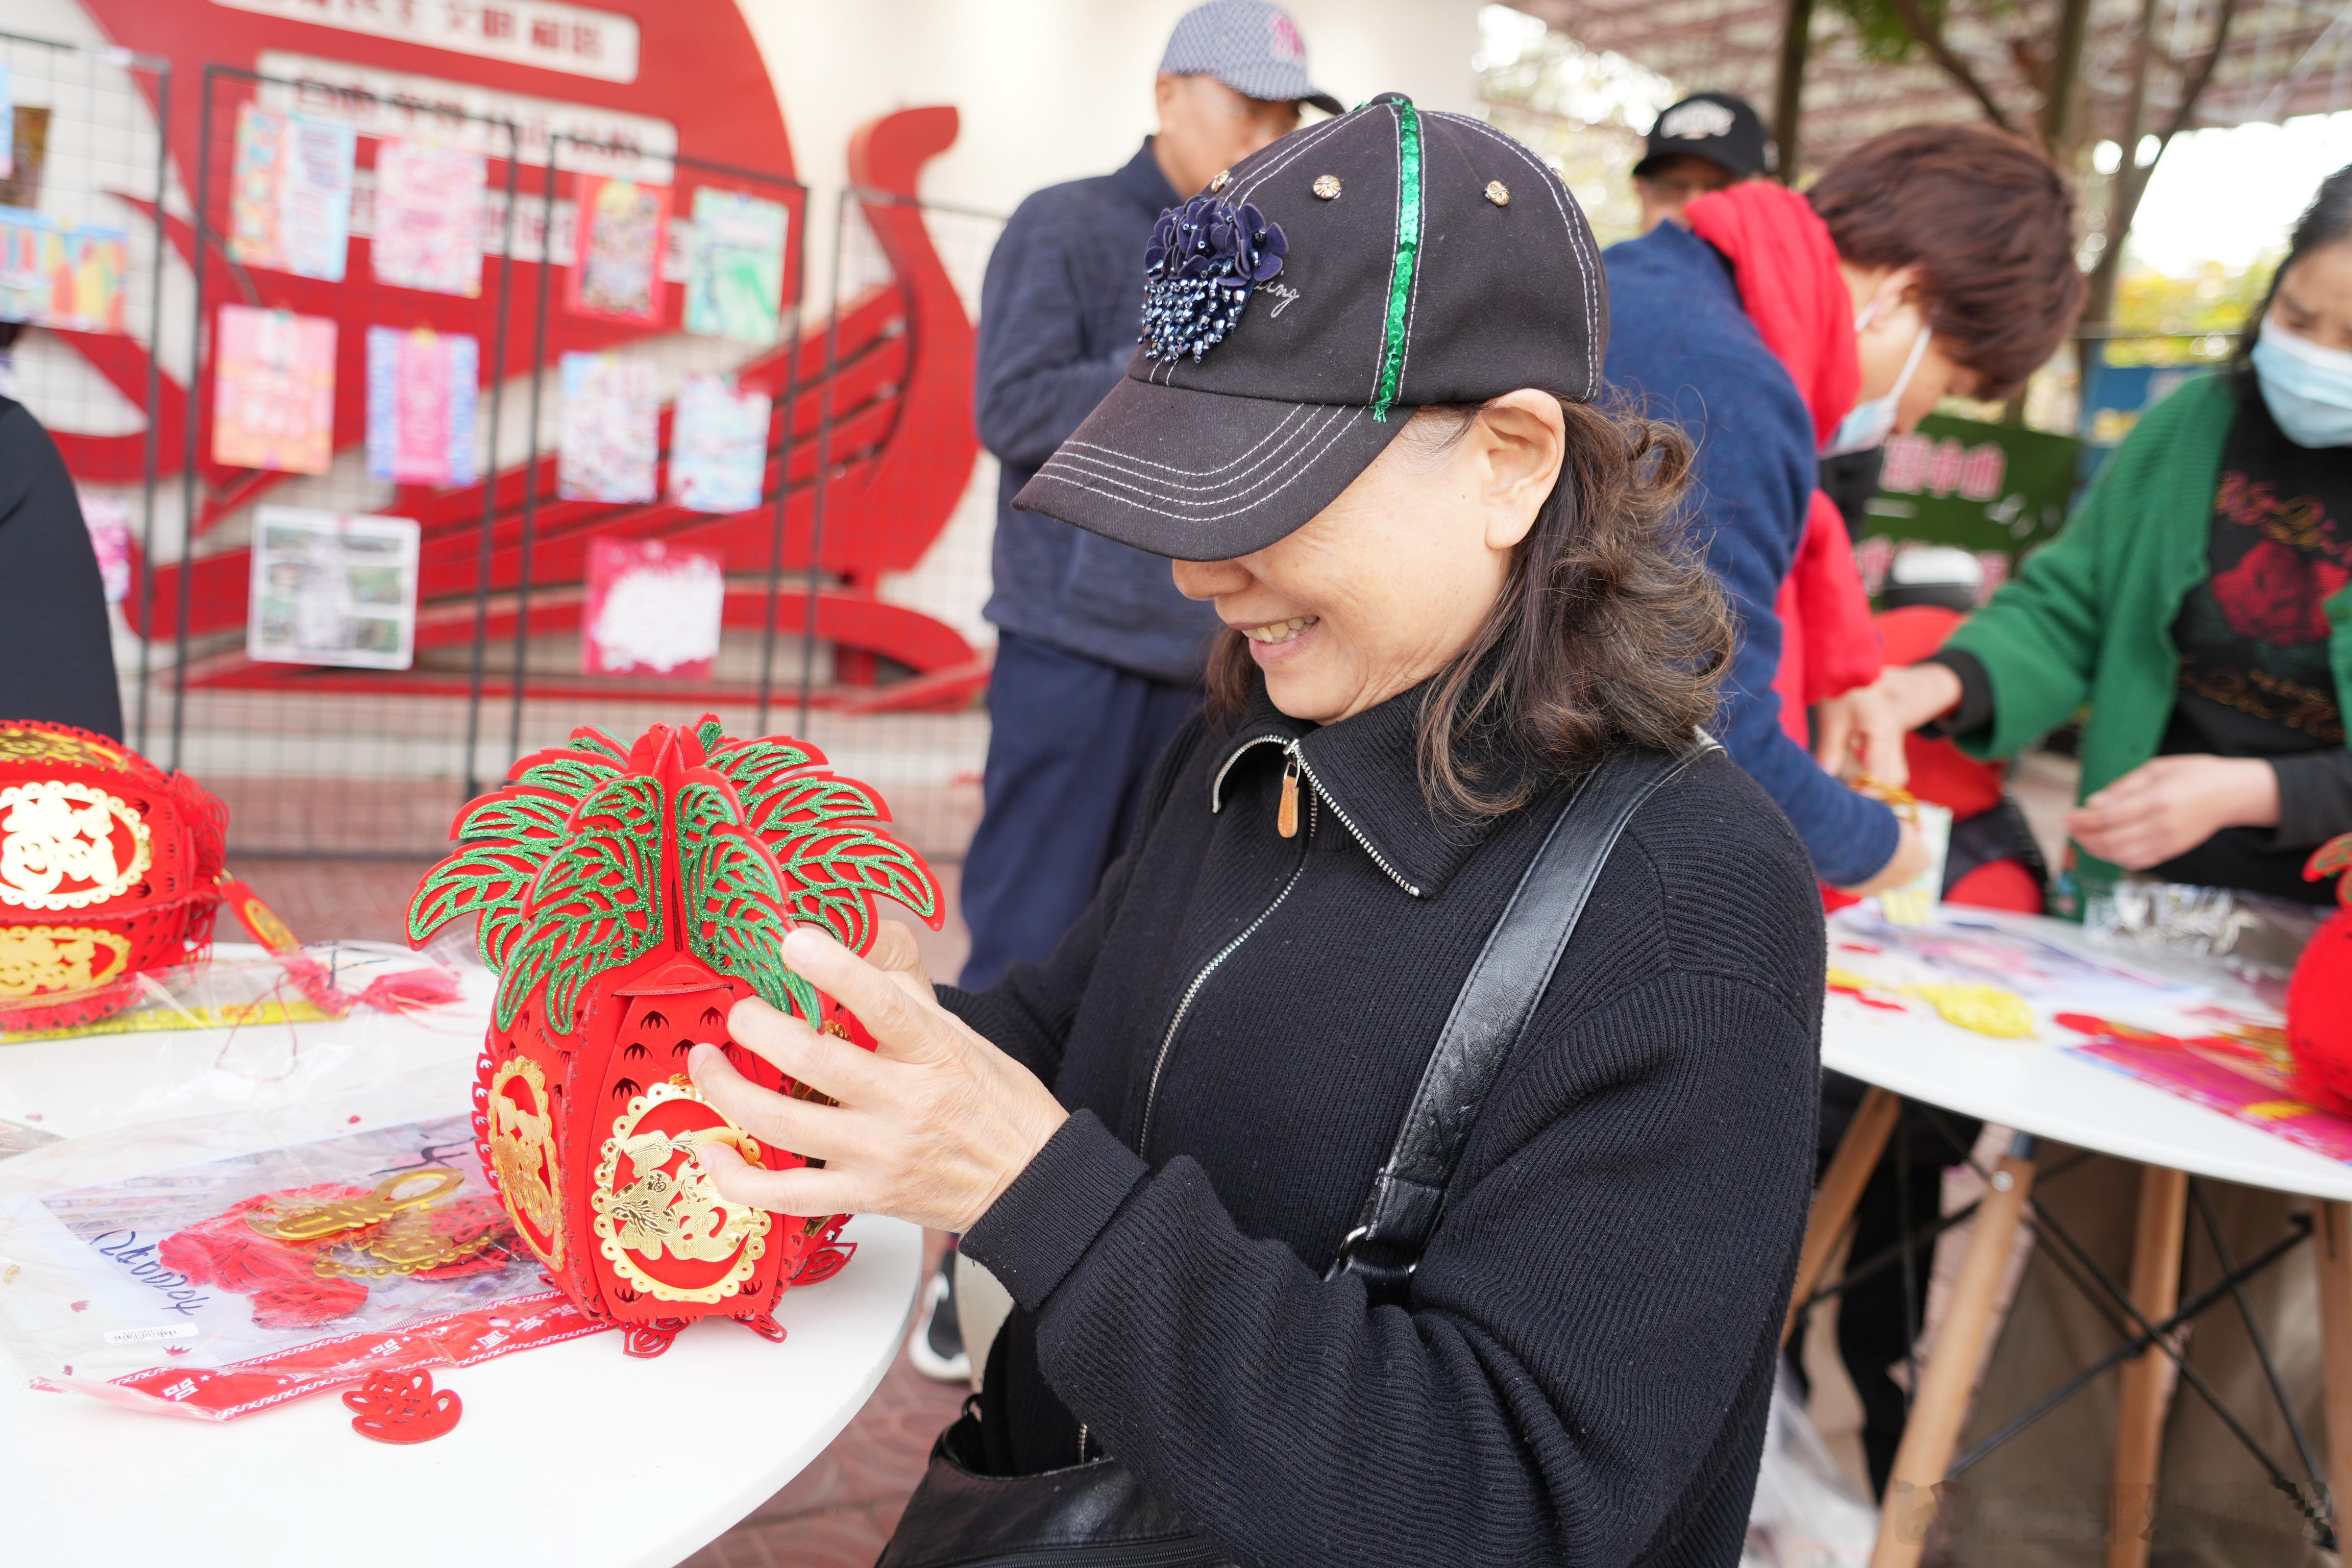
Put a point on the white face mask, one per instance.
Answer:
(1870, 423)
(2307, 388)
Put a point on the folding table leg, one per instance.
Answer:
(2146, 1391)
(1949, 1375)
(2336, 1340)
(1840, 1189)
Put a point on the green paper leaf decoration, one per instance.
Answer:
(485, 878)
(709, 733)
(749, 765)
(595, 904)
(733, 909)
(597, 744)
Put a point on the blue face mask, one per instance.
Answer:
(1872, 423)
(2308, 389)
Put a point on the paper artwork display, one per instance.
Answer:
(611, 430)
(274, 391)
(108, 518)
(620, 230)
(291, 209)
(28, 155)
(422, 395)
(75, 279)
(654, 609)
(735, 278)
(719, 446)
(332, 589)
(428, 217)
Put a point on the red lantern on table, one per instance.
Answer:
(628, 898)
(109, 866)
(2319, 996)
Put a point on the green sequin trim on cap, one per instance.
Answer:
(1408, 252)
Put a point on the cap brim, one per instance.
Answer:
(1326, 102)
(1200, 476)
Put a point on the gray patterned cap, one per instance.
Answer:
(1250, 46)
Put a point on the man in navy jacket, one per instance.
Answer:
(1098, 656)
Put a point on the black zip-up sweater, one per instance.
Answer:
(1583, 1372)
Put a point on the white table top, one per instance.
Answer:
(2034, 1085)
(573, 1452)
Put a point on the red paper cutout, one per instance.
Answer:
(402, 1407)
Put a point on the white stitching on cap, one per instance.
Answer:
(1108, 468)
(1296, 411)
(1575, 235)
(1306, 139)
(1111, 460)
(1170, 503)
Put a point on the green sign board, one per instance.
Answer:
(1994, 491)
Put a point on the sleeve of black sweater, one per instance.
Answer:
(56, 653)
(1528, 1407)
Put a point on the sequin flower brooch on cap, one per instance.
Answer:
(1204, 261)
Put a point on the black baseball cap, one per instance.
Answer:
(1715, 126)
(1298, 311)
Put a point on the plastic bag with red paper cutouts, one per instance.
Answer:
(215, 1266)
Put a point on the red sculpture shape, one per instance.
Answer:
(109, 866)
(628, 899)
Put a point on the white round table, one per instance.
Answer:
(2039, 1089)
(573, 1452)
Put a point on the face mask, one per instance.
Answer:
(2308, 389)
(1870, 423)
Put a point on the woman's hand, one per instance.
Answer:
(1860, 732)
(2170, 806)
(932, 1127)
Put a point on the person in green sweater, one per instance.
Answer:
(2196, 602)
(2199, 603)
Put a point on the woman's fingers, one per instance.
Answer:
(905, 1026)
(803, 1191)
(813, 1131)
(826, 1063)
(896, 953)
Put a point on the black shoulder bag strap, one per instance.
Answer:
(1491, 1013)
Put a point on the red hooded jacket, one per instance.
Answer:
(1786, 268)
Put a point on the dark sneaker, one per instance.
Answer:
(937, 1347)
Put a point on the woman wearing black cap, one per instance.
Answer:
(1384, 1168)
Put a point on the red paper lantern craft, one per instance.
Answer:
(628, 898)
(109, 866)
(2319, 996)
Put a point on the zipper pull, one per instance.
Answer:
(1286, 817)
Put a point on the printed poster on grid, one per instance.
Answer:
(332, 589)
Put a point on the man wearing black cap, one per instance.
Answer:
(1098, 658)
(1708, 141)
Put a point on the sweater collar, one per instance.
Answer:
(1142, 182)
(1367, 770)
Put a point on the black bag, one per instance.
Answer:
(1097, 1514)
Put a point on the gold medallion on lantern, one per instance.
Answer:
(658, 1216)
(35, 959)
(523, 1153)
(62, 845)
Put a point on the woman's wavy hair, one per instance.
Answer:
(1609, 633)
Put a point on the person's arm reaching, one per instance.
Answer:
(1750, 497)
(1038, 377)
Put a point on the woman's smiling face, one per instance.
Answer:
(1379, 590)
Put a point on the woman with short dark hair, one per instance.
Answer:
(1385, 1169)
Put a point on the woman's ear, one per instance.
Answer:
(1523, 437)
